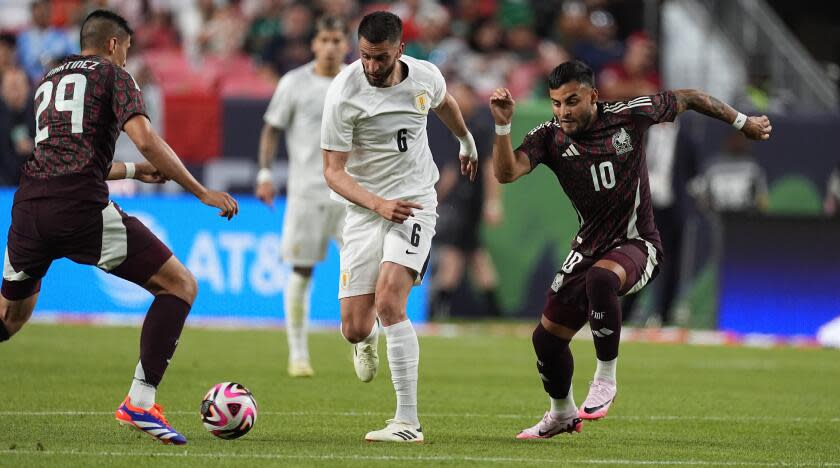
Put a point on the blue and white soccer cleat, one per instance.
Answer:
(151, 421)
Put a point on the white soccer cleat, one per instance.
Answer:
(549, 427)
(300, 368)
(366, 360)
(396, 431)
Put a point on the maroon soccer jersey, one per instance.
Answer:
(603, 170)
(80, 109)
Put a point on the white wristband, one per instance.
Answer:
(264, 175)
(129, 170)
(468, 148)
(739, 122)
(502, 129)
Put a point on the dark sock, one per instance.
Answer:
(554, 362)
(602, 287)
(4, 332)
(492, 303)
(442, 304)
(161, 330)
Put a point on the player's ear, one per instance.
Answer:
(401, 49)
(594, 94)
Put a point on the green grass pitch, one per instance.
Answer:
(677, 405)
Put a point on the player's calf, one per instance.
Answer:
(602, 286)
(554, 362)
(14, 314)
(4, 332)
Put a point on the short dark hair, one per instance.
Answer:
(101, 25)
(574, 70)
(381, 26)
(330, 23)
(8, 39)
(36, 3)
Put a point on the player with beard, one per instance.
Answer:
(596, 150)
(377, 161)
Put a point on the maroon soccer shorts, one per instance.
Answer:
(44, 230)
(567, 303)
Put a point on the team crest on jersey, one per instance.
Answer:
(621, 142)
(422, 102)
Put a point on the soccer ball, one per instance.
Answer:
(229, 410)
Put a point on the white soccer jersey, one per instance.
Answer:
(384, 129)
(296, 107)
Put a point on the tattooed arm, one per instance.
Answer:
(755, 128)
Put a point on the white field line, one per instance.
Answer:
(779, 419)
(417, 458)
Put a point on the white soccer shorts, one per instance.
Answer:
(307, 229)
(370, 239)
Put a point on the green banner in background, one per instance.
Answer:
(539, 221)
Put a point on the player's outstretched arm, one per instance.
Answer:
(343, 184)
(142, 171)
(507, 164)
(450, 115)
(162, 157)
(754, 127)
(269, 138)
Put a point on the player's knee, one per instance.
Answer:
(354, 332)
(389, 307)
(547, 344)
(183, 285)
(189, 285)
(601, 282)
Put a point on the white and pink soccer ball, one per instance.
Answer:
(229, 410)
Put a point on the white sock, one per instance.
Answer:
(606, 370)
(296, 303)
(141, 394)
(564, 407)
(403, 360)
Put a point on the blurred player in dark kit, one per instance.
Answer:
(463, 206)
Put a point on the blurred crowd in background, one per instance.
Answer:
(241, 48)
(512, 42)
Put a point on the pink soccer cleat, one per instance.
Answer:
(597, 403)
(549, 427)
